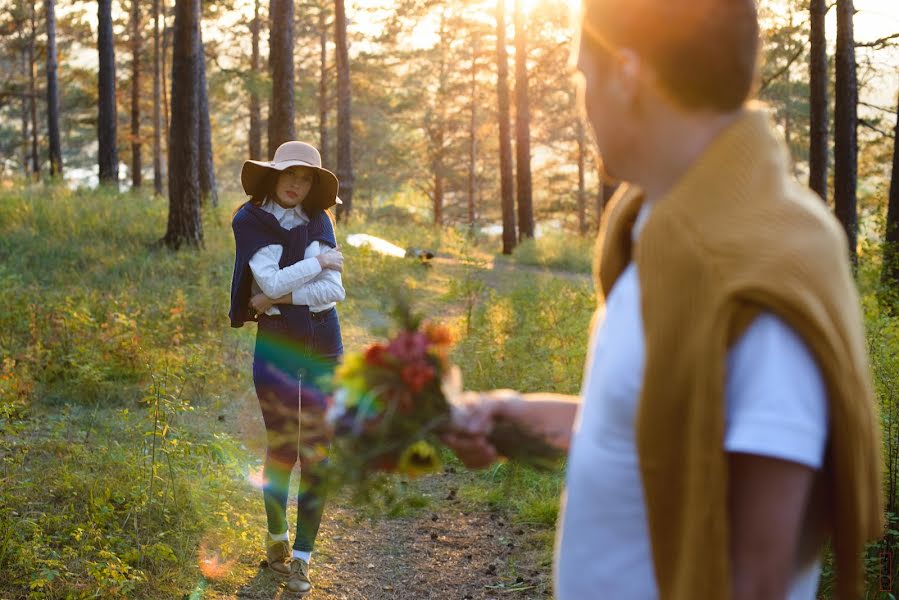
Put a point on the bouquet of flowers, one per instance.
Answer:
(393, 400)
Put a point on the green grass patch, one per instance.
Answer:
(559, 251)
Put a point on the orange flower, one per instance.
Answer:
(439, 335)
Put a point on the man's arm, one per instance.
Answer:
(474, 415)
(767, 498)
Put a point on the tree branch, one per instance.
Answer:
(769, 80)
(890, 110)
(879, 43)
(865, 123)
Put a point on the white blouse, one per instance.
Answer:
(309, 284)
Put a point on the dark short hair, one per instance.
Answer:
(705, 52)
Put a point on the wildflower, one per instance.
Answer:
(409, 346)
(418, 459)
(417, 375)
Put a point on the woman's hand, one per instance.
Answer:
(332, 259)
(261, 303)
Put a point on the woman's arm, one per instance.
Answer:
(275, 281)
(324, 289)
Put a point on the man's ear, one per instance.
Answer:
(630, 67)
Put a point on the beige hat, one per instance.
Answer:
(293, 154)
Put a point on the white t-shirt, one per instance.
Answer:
(776, 405)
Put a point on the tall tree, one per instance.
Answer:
(207, 165)
(436, 122)
(106, 106)
(344, 122)
(184, 225)
(52, 92)
(281, 127)
(157, 126)
(510, 238)
(473, 132)
(323, 82)
(255, 107)
(817, 156)
(32, 91)
(581, 168)
(845, 126)
(166, 45)
(25, 69)
(136, 166)
(891, 240)
(522, 128)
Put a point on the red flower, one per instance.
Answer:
(409, 346)
(417, 375)
(374, 356)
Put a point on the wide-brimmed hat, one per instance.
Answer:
(323, 193)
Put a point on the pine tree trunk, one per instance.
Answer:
(106, 117)
(323, 84)
(136, 166)
(817, 176)
(184, 225)
(344, 121)
(53, 136)
(157, 126)
(166, 37)
(522, 128)
(473, 135)
(507, 193)
(281, 126)
(24, 108)
(581, 189)
(891, 240)
(32, 86)
(438, 138)
(207, 165)
(255, 108)
(845, 127)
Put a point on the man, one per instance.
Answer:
(726, 424)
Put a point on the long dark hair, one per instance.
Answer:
(266, 189)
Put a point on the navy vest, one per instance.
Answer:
(255, 228)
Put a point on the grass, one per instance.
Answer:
(559, 251)
(118, 369)
(122, 388)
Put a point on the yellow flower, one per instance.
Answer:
(418, 459)
(353, 365)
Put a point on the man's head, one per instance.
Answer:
(647, 62)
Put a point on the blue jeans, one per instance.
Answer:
(285, 369)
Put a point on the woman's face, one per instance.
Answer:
(293, 185)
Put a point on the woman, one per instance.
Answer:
(287, 278)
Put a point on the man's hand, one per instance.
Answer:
(473, 417)
(331, 259)
(261, 303)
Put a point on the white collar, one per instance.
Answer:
(279, 211)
